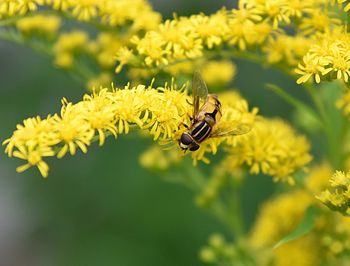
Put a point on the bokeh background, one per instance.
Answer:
(103, 208)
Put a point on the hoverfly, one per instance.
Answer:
(205, 119)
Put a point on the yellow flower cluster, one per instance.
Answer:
(156, 158)
(106, 45)
(161, 112)
(69, 44)
(328, 59)
(41, 24)
(305, 251)
(214, 72)
(218, 72)
(272, 225)
(280, 216)
(21, 7)
(102, 80)
(346, 6)
(272, 148)
(252, 24)
(344, 103)
(337, 197)
(285, 48)
(108, 12)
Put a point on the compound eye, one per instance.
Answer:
(194, 147)
(186, 139)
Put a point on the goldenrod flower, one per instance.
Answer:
(319, 21)
(102, 80)
(284, 48)
(28, 5)
(337, 197)
(107, 45)
(68, 44)
(33, 154)
(84, 9)
(160, 111)
(344, 103)
(218, 72)
(211, 30)
(304, 251)
(156, 158)
(272, 148)
(58, 4)
(40, 24)
(347, 4)
(330, 58)
(121, 12)
(152, 47)
(72, 129)
(313, 67)
(279, 216)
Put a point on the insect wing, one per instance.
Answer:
(240, 129)
(199, 91)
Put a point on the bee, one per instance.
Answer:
(205, 119)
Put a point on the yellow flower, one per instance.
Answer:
(276, 11)
(339, 63)
(304, 251)
(289, 49)
(122, 12)
(8, 7)
(212, 30)
(99, 111)
(102, 80)
(124, 56)
(317, 179)
(39, 23)
(107, 45)
(25, 6)
(58, 4)
(218, 72)
(33, 154)
(240, 24)
(71, 40)
(84, 9)
(152, 47)
(313, 66)
(72, 128)
(347, 5)
(278, 217)
(344, 103)
(337, 197)
(34, 132)
(328, 58)
(160, 111)
(273, 148)
(319, 21)
(156, 158)
(68, 44)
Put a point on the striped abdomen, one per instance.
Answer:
(201, 131)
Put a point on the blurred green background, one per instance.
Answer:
(102, 208)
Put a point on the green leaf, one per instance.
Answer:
(305, 226)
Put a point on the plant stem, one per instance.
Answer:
(333, 152)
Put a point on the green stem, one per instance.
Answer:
(332, 141)
(293, 101)
(235, 215)
(348, 22)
